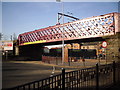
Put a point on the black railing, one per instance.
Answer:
(94, 78)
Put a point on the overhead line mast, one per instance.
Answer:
(61, 14)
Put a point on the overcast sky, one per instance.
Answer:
(21, 17)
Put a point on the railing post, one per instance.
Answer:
(69, 62)
(56, 60)
(114, 81)
(63, 79)
(97, 77)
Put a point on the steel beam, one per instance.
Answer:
(96, 26)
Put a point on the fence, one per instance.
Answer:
(58, 60)
(52, 60)
(92, 78)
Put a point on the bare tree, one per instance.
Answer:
(1, 36)
(14, 36)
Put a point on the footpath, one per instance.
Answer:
(79, 64)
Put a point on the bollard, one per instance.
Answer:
(97, 77)
(56, 61)
(63, 79)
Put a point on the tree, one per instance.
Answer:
(14, 36)
(1, 36)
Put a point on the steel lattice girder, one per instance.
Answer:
(96, 26)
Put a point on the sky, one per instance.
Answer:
(21, 17)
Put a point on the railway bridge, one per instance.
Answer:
(94, 29)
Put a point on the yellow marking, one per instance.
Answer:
(41, 41)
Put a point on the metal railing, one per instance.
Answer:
(101, 76)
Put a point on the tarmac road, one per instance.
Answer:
(16, 73)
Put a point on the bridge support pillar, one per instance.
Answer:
(66, 54)
(70, 46)
(113, 48)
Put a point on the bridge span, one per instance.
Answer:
(97, 28)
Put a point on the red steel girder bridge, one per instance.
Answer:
(96, 26)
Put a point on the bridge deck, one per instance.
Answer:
(96, 26)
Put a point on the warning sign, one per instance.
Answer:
(104, 44)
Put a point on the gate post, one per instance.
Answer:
(97, 77)
(63, 79)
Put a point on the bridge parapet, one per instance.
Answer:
(96, 26)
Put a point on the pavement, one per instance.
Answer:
(80, 64)
(16, 73)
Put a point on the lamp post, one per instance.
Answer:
(63, 34)
(62, 30)
(6, 54)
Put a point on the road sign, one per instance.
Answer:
(104, 44)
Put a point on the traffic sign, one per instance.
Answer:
(104, 44)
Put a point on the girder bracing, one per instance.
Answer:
(96, 26)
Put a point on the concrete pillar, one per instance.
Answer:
(117, 22)
(117, 32)
(66, 54)
(68, 46)
(16, 50)
(113, 48)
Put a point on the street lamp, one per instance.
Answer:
(62, 30)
